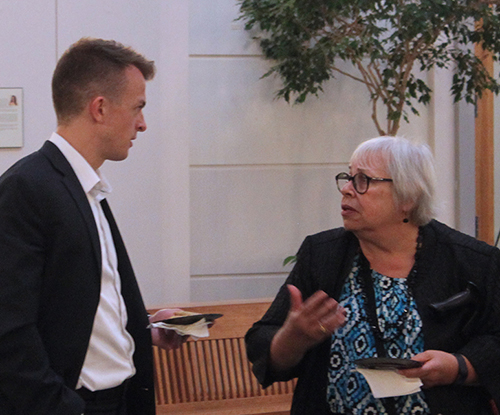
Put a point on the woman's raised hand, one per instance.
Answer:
(308, 323)
(316, 318)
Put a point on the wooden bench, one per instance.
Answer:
(212, 375)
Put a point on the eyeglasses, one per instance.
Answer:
(360, 181)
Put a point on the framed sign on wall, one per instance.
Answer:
(11, 117)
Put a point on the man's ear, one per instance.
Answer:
(98, 108)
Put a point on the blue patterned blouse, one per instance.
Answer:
(401, 328)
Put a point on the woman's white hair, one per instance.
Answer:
(411, 167)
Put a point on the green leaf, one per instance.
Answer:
(290, 260)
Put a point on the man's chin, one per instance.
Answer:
(118, 157)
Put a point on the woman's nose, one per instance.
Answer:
(348, 188)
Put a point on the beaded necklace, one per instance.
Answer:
(366, 282)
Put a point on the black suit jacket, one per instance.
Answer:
(50, 272)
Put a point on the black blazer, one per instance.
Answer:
(50, 268)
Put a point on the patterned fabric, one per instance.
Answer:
(401, 331)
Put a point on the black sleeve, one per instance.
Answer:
(483, 350)
(259, 337)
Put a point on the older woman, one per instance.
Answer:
(392, 282)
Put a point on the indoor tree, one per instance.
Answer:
(386, 41)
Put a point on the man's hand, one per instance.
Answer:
(166, 339)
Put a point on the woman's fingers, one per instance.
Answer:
(308, 323)
(295, 297)
(334, 319)
(318, 316)
(439, 368)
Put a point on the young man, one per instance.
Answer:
(73, 326)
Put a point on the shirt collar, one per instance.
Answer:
(93, 181)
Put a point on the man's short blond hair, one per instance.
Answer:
(93, 67)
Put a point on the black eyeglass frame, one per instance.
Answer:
(349, 178)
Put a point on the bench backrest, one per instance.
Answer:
(216, 367)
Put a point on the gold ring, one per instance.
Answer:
(322, 328)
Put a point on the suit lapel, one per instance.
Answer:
(124, 265)
(130, 289)
(74, 187)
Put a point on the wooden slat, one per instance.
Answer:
(202, 364)
(256, 388)
(189, 373)
(193, 358)
(160, 386)
(226, 394)
(174, 379)
(168, 379)
(238, 368)
(247, 383)
(176, 362)
(214, 349)
(212, 388)
(231, 363)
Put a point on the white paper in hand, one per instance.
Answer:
(195, 330)
(386, 383)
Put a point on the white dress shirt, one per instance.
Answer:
(109, 357)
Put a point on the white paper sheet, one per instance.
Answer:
(386, 383)
(195, 330)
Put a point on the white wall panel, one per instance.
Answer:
(465, 168)
(235, 118)
(132, 22)
(444, 143)
(173, 77)
(27, 48)
(214, 29)
(248, 220)
(215, 288)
